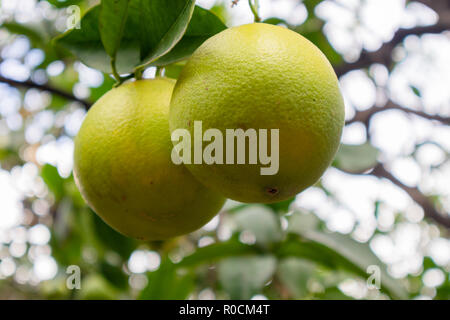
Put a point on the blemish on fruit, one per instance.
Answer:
(272, 191)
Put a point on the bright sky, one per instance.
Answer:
(425, 65)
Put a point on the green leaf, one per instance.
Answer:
(302, 222)
(275, 21)
(63, 3)
(111, 239)
(35, 37)
(168, 283)
(216, 252)
(173, 70)
(416, 91)
(114, 274)
(220, 9)
(161, 26)
(356, 158)
(95, 287)
(320, 40)
(261, 221)
(282, 206)
(311, 5)
(337, 251)
(107, 85)
(203, 25)
(443, 291)
(294, 273)
(66, 244)
(55, 289)
(112, 18)
(243, 277)
(86, 45)
(333, 293)
(312, 29)
(149, 33)
(53, 180)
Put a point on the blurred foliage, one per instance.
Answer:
(273, 250)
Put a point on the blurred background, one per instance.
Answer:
(385, 202)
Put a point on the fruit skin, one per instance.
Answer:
(123, 168)
(262, 76)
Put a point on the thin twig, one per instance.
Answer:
(384, 54)
(364, 116)
(114, 70)
(254, 6)
(159, 72)
(423, 201)
(428, 207)
(45, 87)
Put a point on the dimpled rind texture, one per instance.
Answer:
(263, 77)
(123, 168)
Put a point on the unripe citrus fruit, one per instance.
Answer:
(124, 171)
(262, 76)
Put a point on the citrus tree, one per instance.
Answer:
(374, 227)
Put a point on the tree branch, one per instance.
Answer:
(439, 6)
(423, 201)
(45, 87)
(364, 116)
(429, 209)
(384, 54)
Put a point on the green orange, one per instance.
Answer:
(124, 171)
(262, 76)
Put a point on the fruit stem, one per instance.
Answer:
(254, 6)
(159, 72)
(138, 73)
(119, 79)
(114, 70)
(123, 79)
